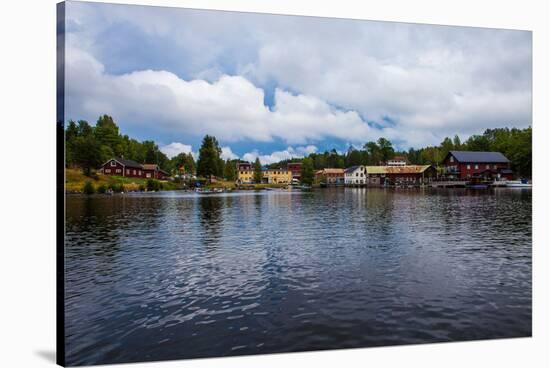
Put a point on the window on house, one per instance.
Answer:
(488, 167)
(451, 159)
(495, 167)
(476, 167)
(113, 163)
(107, 171)
(467, 167)
(118, 170)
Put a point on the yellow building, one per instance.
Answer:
(277, 176)
(245, 176)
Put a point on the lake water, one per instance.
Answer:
(176, 275)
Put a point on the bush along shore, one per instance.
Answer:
(77, 182)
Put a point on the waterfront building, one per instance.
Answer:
(245, 176)
(296, 169)
(472, 164)
(400, 175)
(277, 176)
(330, 176)
(355, 175)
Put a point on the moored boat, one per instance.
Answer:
(524, 183)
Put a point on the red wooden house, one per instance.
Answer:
(471, 164)
(133, 169)
(154, 171)
(296, 169)
(122, 167)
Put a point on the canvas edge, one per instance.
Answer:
(60, 184)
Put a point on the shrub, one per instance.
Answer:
(117, 188)
(153, 184)
(102, 189)
(141, 187)
(88, 188)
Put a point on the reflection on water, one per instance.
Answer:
(176, 275)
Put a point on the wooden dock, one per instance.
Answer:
(449, 184)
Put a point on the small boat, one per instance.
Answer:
(208, 191)
(524, 183)
(304, 187)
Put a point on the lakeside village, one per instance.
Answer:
(467, 169)
(99, 159)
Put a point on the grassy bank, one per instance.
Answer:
(75, 182)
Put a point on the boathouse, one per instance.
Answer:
(403, 175)
(330, 176)
(472, 164)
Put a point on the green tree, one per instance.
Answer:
(257, 171)
(374, 153)
(209, 162)
(230, 170)
(308, 172)
(106, 132)
(386, 149)
(87, 153)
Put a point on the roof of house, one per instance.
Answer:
(128, 163)
(398, 158)
(351, 169)
(480, 157)
(407, 169)
(332, 171)
(150, 167)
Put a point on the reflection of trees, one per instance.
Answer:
(210, 218)
(99, 227)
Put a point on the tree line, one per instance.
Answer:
(515, 144)
(90, 146)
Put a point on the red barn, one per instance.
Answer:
(122, 167)
(469, 164)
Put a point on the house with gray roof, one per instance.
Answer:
(465, 165)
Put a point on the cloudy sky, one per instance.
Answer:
(283, 86)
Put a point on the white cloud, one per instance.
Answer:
(227, 154)
(175, 148)
(432, 81)
(231, 108)
(277, 156)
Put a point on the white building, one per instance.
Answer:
(355, 175)
(397, 161)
